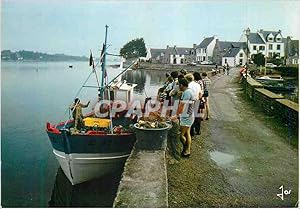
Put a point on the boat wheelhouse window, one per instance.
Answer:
(128, 96)
(112, 95)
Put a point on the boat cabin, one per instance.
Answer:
(121, 90)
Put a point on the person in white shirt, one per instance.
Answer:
(193, 85)
(196, 88)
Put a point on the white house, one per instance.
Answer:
(269, 43)
(181, 55)
(234, 57)
(204, 51)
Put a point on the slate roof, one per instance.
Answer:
(225, 45)
(157, 52)
(179, 50)
(254, 38)
(182, 50)
(266, 33)
(205, 42)
(232, 52)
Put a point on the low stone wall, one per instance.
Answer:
(273, 104)
(250, 86)
(288, 112)
(202, 68)
(266, 100)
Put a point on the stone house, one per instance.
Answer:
(156, 56)
(291, 51)
(222, 47)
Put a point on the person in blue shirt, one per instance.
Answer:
(186, 117)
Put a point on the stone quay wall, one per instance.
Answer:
(273, 104)
(201, 68)
(144, 182)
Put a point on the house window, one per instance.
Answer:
(225, 60)
(204, 50)
(203, 59)
(241, 61)
(270, 54)
(261, 48)
(254, 47)
(278, 39)
(241, 54)
(270, 39)
(278, 46)
(270, 47)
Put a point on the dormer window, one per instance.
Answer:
(270, 37)
(278, 38)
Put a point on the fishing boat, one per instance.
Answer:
(104, 144)
(277, 78)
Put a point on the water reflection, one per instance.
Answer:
(145, 79)
(138, 77)
(97, 193)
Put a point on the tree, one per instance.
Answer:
(258, 59)
(134, 49)
(276, 59)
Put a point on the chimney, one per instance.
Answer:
(194, 46)
(174, 46)
(261, 30)
(167, 46)
(279, 31)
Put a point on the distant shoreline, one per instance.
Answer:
(35, 61)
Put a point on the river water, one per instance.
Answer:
(32, 94)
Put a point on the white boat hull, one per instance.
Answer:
(84, 167)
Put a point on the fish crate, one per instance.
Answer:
(96, 122)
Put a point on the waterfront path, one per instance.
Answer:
(240, 159)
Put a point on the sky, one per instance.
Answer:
(78, 26)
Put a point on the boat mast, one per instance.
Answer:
(103, 65)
